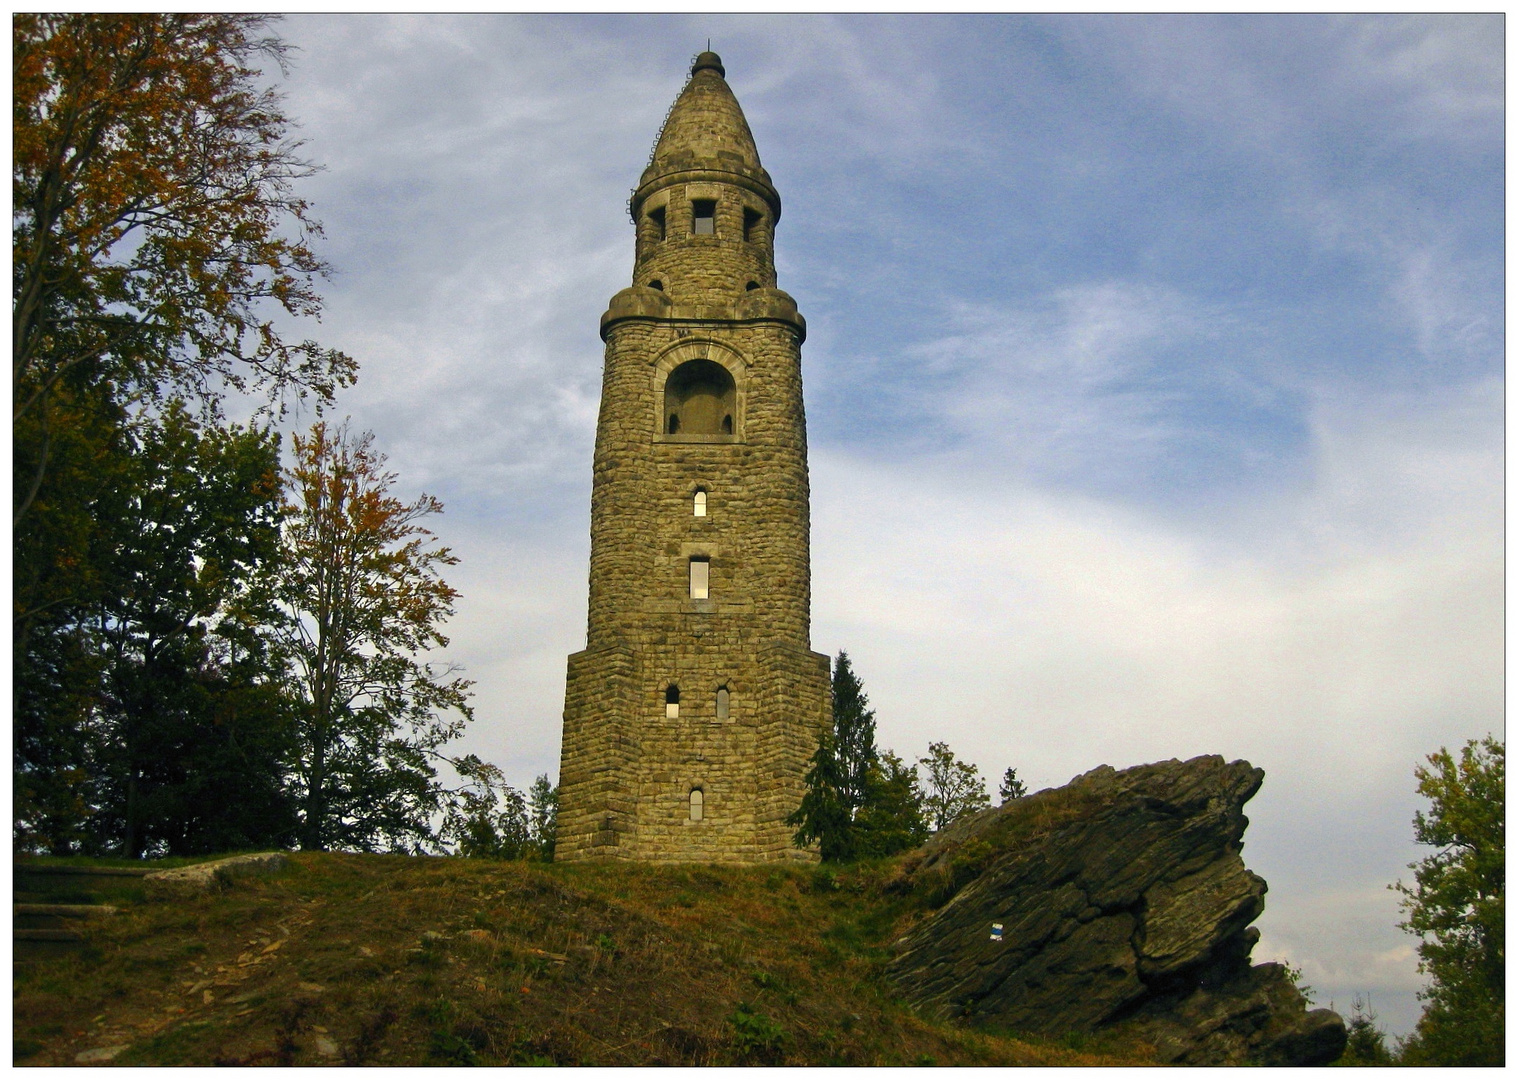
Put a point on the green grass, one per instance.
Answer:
(390, 960)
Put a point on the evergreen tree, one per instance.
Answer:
(149, 715)
(1011, 787)
(859, 801)
(192, 735)
(823, 817)
(853, 734)
(61, 557)
(1367, 1042)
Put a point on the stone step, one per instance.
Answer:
(65, 911)
(44, 883)
(28, 917)
(33, 933)
(63, 870)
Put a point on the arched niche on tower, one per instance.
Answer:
(698, 391)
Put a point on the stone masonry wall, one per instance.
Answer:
(628, 768)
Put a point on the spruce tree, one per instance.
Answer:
(823, 816)
(853, 735)
(1012, 787)
(859, 801)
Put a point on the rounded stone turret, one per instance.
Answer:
(705, 207)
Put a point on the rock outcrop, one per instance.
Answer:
(1117, 901)
(210, 876)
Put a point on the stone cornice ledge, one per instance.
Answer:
(756, 305)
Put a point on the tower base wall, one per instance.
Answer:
(626, 779)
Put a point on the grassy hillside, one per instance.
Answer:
(389, 960)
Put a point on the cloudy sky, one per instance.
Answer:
(1154, 386)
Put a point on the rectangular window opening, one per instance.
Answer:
(657, 217)
(751, 220)
(700, 579)
(704, 217)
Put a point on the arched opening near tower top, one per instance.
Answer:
(700, 398)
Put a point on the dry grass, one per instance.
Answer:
(388, 960)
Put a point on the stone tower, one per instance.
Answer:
(691, 714)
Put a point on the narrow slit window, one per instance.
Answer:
(672, 702)
(727, 424)
(700, 579)
(700, 504)
(704, 217)
(657, 217)
(751, 230)
(674, 423)
(723, 703)
(697, 804)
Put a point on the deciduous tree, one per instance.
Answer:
(890, 821)
(361, 586)
(953, 787)
(485, 818)
(189, 700)
(488, 818)
(543, 810)
(158, 249)
(155, 229)
(1456, 906)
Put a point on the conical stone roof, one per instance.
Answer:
(706, 132)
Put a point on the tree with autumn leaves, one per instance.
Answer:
(155, 234)
(362, 596)
(209, 651)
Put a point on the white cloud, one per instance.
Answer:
(1445, 73)
(1276, 81)
(1370, 597)
(520, 614)
(1079, 373)
(1333, 636)
(1346, 943)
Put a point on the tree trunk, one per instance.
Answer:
(316, 810)
(129, 839)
